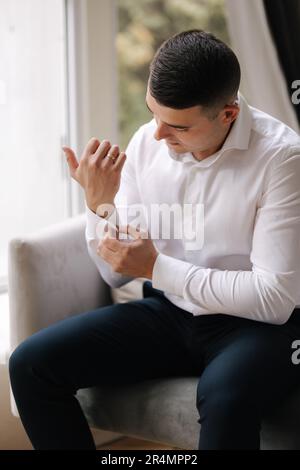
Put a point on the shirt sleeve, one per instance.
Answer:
(271, 290)
(127, 195)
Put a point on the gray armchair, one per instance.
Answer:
(50, 277)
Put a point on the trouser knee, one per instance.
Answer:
(224, 404)
(23, 363)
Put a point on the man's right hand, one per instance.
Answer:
(98, 171)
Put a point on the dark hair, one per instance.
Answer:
(194, 68)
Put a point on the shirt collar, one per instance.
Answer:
(237, 139)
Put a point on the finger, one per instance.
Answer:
(119, 163)
(113, 244)
(113, 231)
(112, 155)
(123, 229)
(101, 151)
(91, 147)
(136, 232)
(71, 159)
(104, 243)
(105, 253)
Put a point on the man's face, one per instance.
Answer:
(189, 129)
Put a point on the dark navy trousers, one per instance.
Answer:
(244, 368)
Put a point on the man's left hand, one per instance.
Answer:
(134, 258)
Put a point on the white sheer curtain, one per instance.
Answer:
(263, 83)
(33, 190)
(32, 118)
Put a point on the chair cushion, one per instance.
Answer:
(157, 410)
(164, 410)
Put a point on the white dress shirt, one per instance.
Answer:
(249, 263)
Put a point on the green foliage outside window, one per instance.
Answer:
(143, 26)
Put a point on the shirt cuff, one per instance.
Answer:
(95, 225)
(169, 274)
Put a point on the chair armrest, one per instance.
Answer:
(50, 277)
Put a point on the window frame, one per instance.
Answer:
(90, 24)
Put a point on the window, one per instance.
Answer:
(34, 183)
(32, 117)
(143, 26)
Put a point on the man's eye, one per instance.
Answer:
(181, 130)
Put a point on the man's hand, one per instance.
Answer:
(98, 171)
(131, 258)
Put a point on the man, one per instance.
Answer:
(222, 308)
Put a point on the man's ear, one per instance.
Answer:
(230, 113)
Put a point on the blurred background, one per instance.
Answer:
(73, 69)
(142, 27)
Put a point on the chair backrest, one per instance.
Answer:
(51, 276)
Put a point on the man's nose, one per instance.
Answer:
(162, 131)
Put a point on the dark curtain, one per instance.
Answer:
(284, 22)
